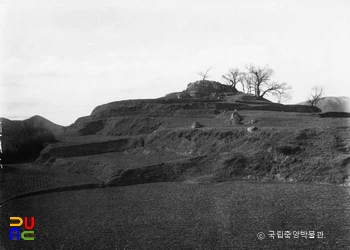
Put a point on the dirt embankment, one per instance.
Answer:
(160, 107)
(211, 154)
(53, 151)
(313, 155)
(124, 117)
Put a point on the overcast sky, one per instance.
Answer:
(60, 59)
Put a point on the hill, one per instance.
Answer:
(137, 141)
(11, 127)
(23, 140)
(39, 121)
(214, 184)
(140, 141)
(333, 104)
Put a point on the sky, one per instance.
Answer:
(62, 58)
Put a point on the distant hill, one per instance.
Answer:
(8, 126)
(333, 104)
(39, 121)
(23, 140)
(11, 126)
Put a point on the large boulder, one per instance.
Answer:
(251, 129)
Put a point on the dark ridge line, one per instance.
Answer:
(52, 190)
(334, 114)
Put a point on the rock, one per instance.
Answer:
(252, 128)
(183, 95)
(253, 121)
(237, 120)
(194, 94)
(196, 125)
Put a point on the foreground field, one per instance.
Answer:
(182, 215)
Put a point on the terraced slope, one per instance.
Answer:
(286, 147)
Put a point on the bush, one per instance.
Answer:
(27, 143)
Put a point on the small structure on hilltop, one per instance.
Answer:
(206, 88)
(203, 89)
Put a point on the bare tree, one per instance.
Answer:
(204, 74)
(233, 77)
(282, 92)
(317, 93)
(249, 83)
(242, 80)
(259, 78)
(275, 88)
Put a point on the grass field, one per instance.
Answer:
(180, 215)
(22, 179)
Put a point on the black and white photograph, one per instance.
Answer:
(163, 124)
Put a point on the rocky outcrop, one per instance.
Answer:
(206, 88)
